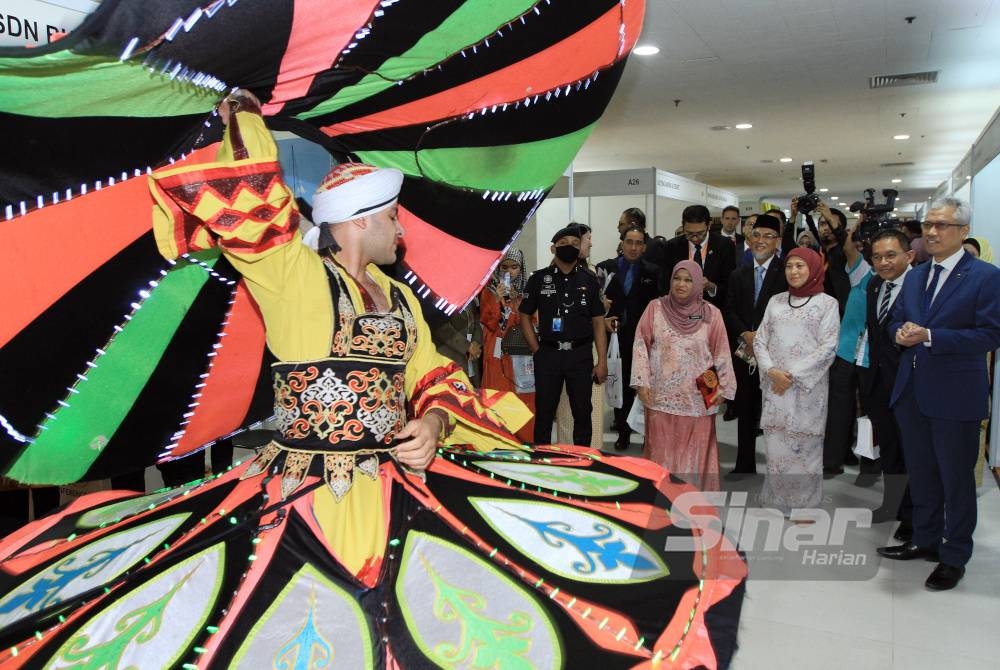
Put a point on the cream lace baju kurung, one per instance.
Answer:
(801, 338)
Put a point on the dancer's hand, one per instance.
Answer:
(418, 451)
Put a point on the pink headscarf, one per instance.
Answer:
(687, 315)
(817, 273)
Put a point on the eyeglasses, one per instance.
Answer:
(940, 225)
(757, 235)
(890, 256)
(695, 234)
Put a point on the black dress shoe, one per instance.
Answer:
(622, 443)
(866, 479)
(907, 552)
(904, 533)
(831, 472)
(944, 577)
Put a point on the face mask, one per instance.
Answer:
(567, 253)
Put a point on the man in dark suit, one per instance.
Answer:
(946, 319)
(890, 258)
(715, 254)
(731, 227)
(750, 288)
(633, 284)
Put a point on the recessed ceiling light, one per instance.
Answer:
(786, 159)
(968, 176)
(896, 181)
(833, 197)
(900, 137)
(823, 190)
(646, 50)
(743, 126)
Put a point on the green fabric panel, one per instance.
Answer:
(70, 443)
(468, 25)
(508, 167)
(64, 84)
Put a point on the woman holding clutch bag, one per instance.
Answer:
(682, 371)
(504, 348)
(794, 346)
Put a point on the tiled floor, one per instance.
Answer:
(889, 621)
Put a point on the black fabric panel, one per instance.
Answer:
(649, 604)
(553, 23)
(199, 506)
(39, 156)
(576, 645)
(298, 547)
(159, 408)
(723, 622)
(534, 122)
(465, 214)
(41, 361)
(393, 33)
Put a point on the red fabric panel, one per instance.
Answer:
(232, 378)
(319, 33)
(50, 250)
(433, 253)
(565, 62)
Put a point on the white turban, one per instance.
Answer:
(352, 190)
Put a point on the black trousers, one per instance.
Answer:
(628, 393)
(896, 494)
(842, 413)
(553, 367)
(748, 403)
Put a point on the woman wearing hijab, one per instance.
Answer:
(679, 339)
(795, 346)
(502, 338)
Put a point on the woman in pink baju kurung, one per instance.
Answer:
(679, 337)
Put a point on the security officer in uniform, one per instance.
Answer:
(570, 322)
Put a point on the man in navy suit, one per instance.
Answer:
(714, 253)
(634, 283)
(750, 287)
(890, 258)
(946, 319)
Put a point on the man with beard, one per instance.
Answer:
(750, 288)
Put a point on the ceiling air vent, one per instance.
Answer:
(896, 165)
(906, 79)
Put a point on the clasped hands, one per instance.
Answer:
(781, 380)
(910, 334)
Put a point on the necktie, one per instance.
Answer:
(697, 254)
(758, 282)
(629, 274)
(883, 308)
(929, 293)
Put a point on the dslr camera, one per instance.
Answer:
(808, 202)
(876, 216)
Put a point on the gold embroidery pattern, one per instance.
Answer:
(294, 473)
(381, 407)
(262, 462)
(379, 336)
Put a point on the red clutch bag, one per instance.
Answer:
(708, 385)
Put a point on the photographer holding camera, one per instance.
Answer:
(834, 240)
